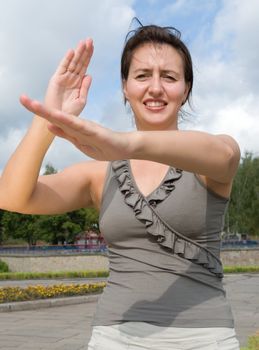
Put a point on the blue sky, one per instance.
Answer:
(187, 16)
(221, 35)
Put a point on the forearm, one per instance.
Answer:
(216, 157)
(20, 175)
(193, 151)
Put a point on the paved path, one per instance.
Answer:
(69, 327)
(243, 295)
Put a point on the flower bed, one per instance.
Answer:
(253, 342)
(10, 294)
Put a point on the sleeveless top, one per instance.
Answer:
(163, 252)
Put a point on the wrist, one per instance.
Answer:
(39, 128)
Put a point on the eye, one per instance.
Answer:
(169, 78)
(142, 76)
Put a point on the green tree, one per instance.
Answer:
(52, 229)
(2, 233)
(49, 169)
(244, 204)
(21, 226)
(92, 220)
(65, 227)
(56, 229)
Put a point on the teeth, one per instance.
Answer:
(154, 104)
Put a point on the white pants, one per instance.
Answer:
(145, 336)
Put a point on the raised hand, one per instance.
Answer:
(91, 138)
(68, 87)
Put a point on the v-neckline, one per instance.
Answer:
(157, 188)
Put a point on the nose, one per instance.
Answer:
(155, 86)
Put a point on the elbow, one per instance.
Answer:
(230, 164)
(12, 203)
(228, 158)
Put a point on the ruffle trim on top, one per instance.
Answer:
(165, 235)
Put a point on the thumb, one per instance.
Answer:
(85, 86)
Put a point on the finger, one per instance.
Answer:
(33, 106)
(86, 147)
(74, 139)
(85, 86)
(24, 100)
(80, 67)
(29, 104)
(87, 56)
(70, 124)
(76, 63)
(65, 62)
(73, 127)
(84, 59)
(52, 115)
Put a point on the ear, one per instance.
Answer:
(186, 91)
(124, 88)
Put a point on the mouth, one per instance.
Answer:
(155, 104)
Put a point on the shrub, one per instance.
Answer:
(3, 266)
(10, 294)
(253, 342)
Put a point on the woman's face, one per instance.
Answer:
(156, 87)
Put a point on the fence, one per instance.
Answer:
(240, 244)
(100, 247)
(53, 249)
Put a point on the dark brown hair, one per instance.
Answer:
(156, 35)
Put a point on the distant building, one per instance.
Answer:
(90, 240)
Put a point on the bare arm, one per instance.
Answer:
(215, 157)
(73, 188)
(20, 188)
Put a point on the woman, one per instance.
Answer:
(162, 199)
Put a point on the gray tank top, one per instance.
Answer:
(163, 252)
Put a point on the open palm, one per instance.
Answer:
(68, 87)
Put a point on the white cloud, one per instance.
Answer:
(34, 38)
(116, 115)
(226, 85)
(8, 142)
(238, 21)
(63, 154)
(34, 35)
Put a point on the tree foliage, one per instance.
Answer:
(243, 213)
(52, 229)
(21, 227)
(49, 169)
(2, 233)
